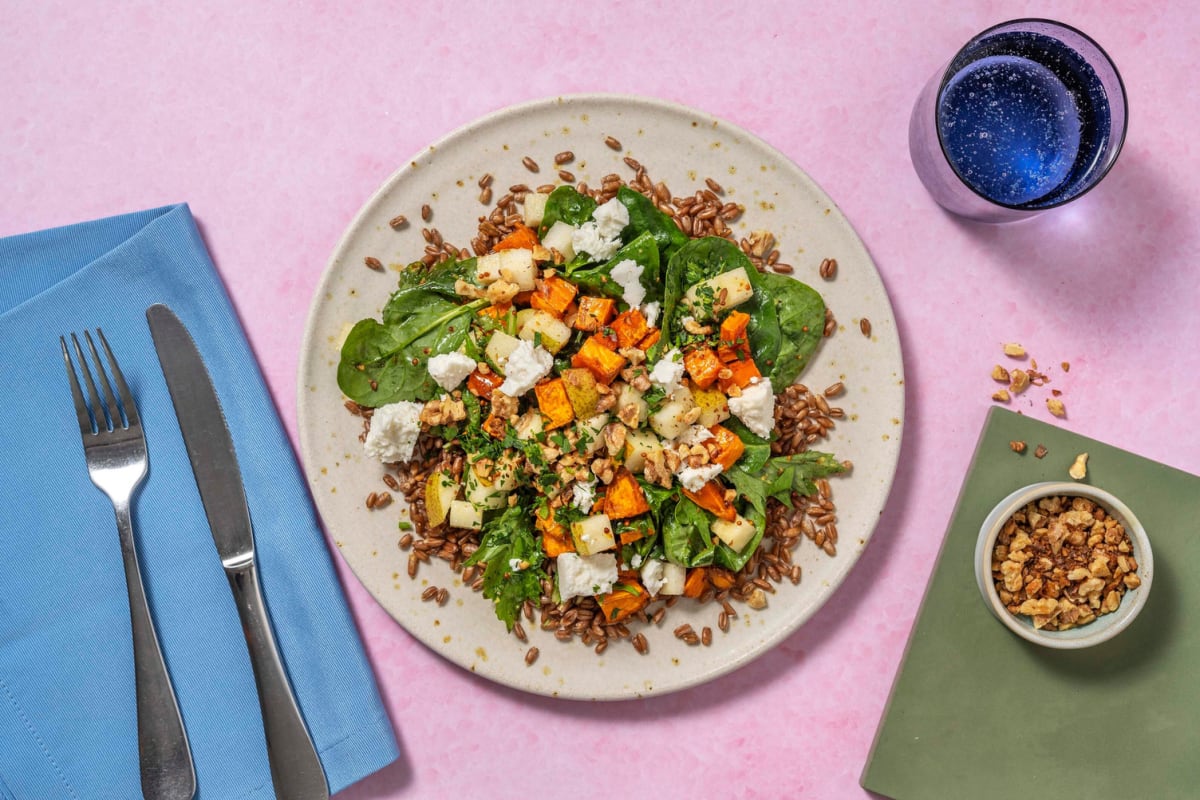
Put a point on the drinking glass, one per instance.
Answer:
(1030, 114)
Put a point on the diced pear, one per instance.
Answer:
(487, 268)
(638, 444)
(482, 494)
(505, 476)
(674, 577)
(591, 428)
(593, 534)
(582, 391)
(559, 238)
(714, 406)
(735, 284)
(440, 491)
(500, 347)
(534, 209)
(516, 266)
(626, 396)
(671, 420)
(736, 533)
(530, 424)
(465, 515)
(554, 332)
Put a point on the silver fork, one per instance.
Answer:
(115, 450)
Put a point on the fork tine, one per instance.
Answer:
(98, 411)
(127, 404)
(81, 409)
(110, 402)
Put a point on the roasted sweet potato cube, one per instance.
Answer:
(625, 497)
(522, 238)
(725, 447)
(553, 295)
(735, 343)
(702, 365)
(481, 384)
(555, 538)
(554, 403)
(742, 374)
(650, 339)
(604, 363)
(594, 313)
(711, 497)
(696, 582)
(626, 599)
(630, 327)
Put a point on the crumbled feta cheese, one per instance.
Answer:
(611, 218)
(628, 275)
(582, 576)
(601, 237)
(755, 408)
(694, 435)
(394, 431)
(652, 576)
(448, 370)
(668, 371)
(584, 495)
(650, 311)
(526, 366)
(516, 564)
(694, 478)
(636, 561)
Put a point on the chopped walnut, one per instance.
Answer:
(1078, 469)
(1000, 374)
(1014, 350)
(629, 414)
(464, 289)
(502, 292)
(504, 406)
(656, 470)
(605, 469)
(1062, 561)
(1056, 407)
(695, 328)
(614, 437)
(761, 243)
(443, 412)
(1016, 446)
(1001, 396)
(634, 355)
(1020, 381)
(757, 600)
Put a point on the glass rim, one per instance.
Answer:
(1120, 140)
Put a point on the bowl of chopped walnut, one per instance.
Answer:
(1064, 565)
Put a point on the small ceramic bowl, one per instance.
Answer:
(1105, 626)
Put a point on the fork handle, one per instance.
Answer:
(296, 770)
(164, 755)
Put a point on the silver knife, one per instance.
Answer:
(295, 768)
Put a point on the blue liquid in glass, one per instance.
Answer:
(1023, 119)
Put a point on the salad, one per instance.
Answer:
(587, 409)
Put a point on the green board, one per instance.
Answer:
(976, 712)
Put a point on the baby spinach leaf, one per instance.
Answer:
(442, 277)
(750, 487)
(798, 326)
(686, 537)
(568, 205)
(386, 362)
(642, 250)
(696, 261)
(645, 217)
(798, 473)
(731, 559)
(509, 538)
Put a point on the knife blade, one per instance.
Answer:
(295, 767)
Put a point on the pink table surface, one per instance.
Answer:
(275, 122)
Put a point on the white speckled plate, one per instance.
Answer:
(680, 146)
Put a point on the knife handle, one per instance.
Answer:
(295, 767)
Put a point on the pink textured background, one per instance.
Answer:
(276, 122)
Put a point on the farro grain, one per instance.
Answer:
(399, 221)
(865, 326)
(373, 263)
(612, 142)
(530, 164)
(640, 644)
(485, 196)
(426, 212)
(442, 596)
(531, 656)
(706, 636)
(413, 563)
(565, 157)
(566, 176)
(429, 593)
(783, 269)
(713, 186)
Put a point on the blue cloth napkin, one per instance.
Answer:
(67, 708)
